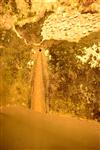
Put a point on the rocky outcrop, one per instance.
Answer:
(71, 26)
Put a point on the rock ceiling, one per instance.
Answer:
(70, 26)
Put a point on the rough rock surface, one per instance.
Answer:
(70, 25)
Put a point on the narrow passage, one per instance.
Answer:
(38, 93)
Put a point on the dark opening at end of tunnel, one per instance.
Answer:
(40, 50)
